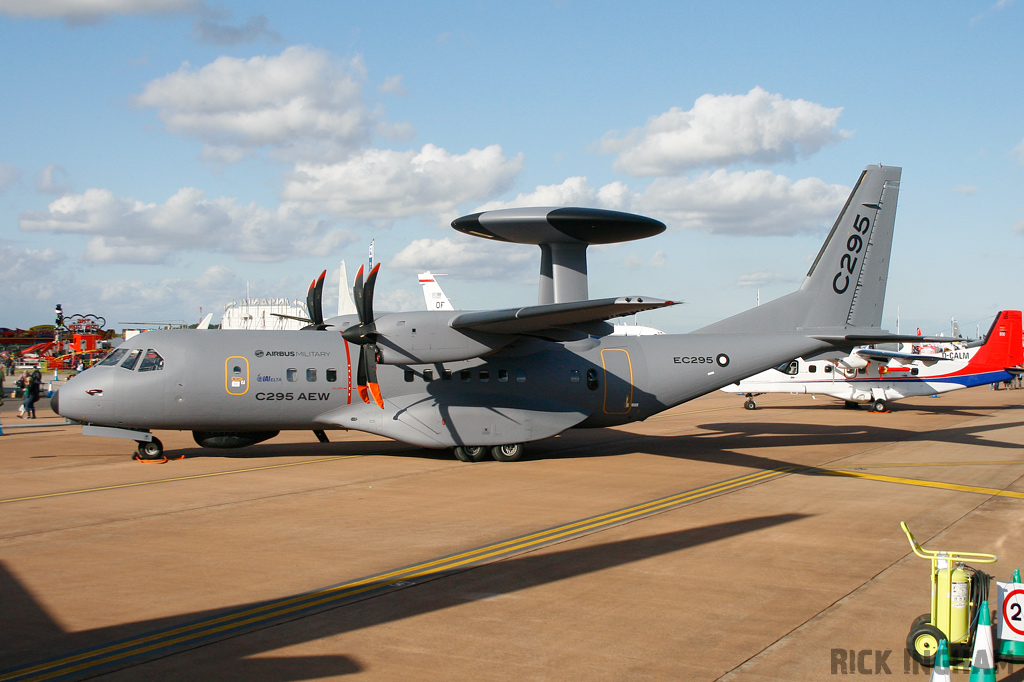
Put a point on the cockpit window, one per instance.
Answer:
(113, 357)
(151, 361)
(133, 357)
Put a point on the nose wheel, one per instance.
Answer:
(150, 450)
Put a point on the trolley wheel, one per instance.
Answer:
(511, 452)
(750, 404)
(153, 449)
(879, 406)
(920, 620)
(470, 453)
(923, 643)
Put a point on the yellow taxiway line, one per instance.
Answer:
(161, 643)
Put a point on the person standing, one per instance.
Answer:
(31, 396)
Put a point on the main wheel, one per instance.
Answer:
(153, 449)
(471, 453)
(879, 406)
(750, 404)
(512, 452)
(923, 643)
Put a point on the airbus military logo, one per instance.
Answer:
(292, 353)
(259, 354)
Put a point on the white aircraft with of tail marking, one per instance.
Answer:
(878, 377)
(487, 382)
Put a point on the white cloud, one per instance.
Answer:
(29, 275)
(9, 175)
(53, 180)
(393, 85)
(125, 230)
(303, 104)
(966, 190)
(90, 11)
(755, 203)
(724, 129)
(1019, 149)
(210, 32)
(469, 258)
(387, 184)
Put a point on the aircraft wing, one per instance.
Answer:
(886, 355)
(555, 315)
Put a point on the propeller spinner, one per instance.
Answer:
(364, 335)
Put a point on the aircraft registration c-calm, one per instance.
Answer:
(486, 382)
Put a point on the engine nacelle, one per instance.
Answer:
(424, 337)
(231, 439)
(853, 362)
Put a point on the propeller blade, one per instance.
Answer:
(310, 302)
(318, 302)
(371, 379)
(361, 376)
(357, 295)
(368, 295)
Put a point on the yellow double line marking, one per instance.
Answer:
(171, 480)
(167, 641)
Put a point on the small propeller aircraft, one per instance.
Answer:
(488, 381)
(877, 376)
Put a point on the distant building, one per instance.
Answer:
(264, 313)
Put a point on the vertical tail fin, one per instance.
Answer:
(1002, 347)
(845, 286)
(433, 296)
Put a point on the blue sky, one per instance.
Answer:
(159, 156)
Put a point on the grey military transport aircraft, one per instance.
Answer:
(488, 381)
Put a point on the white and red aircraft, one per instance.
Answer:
(875, 376)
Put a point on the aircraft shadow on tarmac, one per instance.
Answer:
(34, 634)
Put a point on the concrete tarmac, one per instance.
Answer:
(708, 543)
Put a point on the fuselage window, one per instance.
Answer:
(428, 375)
(311, 375)
(828, 369)
(574, 376)
(332, 376)
(133, 357)
(446, 375)
(114, 357)
(502, 376)
(291, 374)
(592, 379)
(793, 368)
(520, 375)
(913, 371)
(152, 362)
(409, 375)
(485, 375)
(812, 368)
(466, 375)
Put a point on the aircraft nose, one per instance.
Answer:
(55, 402)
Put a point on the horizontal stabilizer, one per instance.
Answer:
(880, 336)
(554, 315)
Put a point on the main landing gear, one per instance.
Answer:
(149, 451)
(512, 452)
